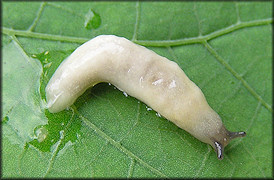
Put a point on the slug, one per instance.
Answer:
(143, 74)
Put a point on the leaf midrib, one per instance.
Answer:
(152, 43)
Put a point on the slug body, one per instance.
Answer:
(141, 73)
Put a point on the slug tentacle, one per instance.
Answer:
(220, 140)
(219, 149)
(233, 135)
(143, 74)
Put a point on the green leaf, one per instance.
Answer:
(224, 47)
(93, 20)
(22, 105)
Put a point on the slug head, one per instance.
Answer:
(220, 140)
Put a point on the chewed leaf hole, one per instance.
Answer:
(92, 20)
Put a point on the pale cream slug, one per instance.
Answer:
(143, 74)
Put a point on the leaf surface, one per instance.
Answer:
(224, 47)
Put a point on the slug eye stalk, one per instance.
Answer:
(237, 134)
(219, 150)
(227, 136)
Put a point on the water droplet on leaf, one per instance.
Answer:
(47, 65)
(148, 108)
(125, 94)
(41, 134)
(158, 114)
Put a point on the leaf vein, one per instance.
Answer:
(155, 43)
(64, 9)
(56, 150)
(251, 155)
(249, 126)
(134, 125)
(131, 168)
(91, 160)
(238, 76)
(237, 12)
(34, 23)
(119, 146)
(233, 165)
(136, 21)
(228, 96)
(204, 161)
(201, 39)
(198, 20)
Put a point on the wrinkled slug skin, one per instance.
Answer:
(141, 73)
